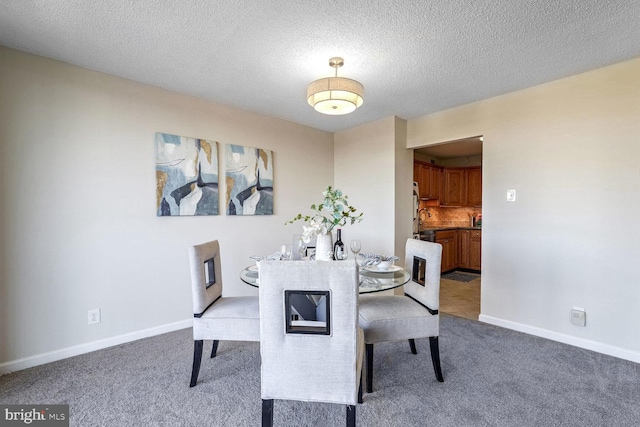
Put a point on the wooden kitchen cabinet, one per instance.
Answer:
(435, 183)
(475, 250)
(458, 249)
(418, 176)
(449, 248)
(463, 247)
(462, 187)
(429, 179)
(474, 186)
(454, 187)
(470, 249)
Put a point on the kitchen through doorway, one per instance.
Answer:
(448, 183)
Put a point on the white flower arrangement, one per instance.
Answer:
(332, 212)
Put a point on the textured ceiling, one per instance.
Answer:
(467, 147)
(413, 57)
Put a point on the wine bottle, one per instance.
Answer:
(339, 253)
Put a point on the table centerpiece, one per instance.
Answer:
(334, 211)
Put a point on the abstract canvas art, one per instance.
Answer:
(249, 179)
(186, 176)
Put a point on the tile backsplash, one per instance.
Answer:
(448, 217)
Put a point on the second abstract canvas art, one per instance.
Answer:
(249, 180)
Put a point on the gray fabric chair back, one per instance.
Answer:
(425, 289)
(205, 262)
(302, 366)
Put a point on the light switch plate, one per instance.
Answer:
(511, 195)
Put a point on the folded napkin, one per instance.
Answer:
(369, 259)
(276, 256)
(375, 259)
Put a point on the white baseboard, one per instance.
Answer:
(41, 359)
(598, 347)
(52, 356)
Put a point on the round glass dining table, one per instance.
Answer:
(371, 279)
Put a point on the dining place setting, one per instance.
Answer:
(377, 272)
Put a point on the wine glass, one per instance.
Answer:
(355, 248)
(301, 247)
(286, 252)
(341, 254)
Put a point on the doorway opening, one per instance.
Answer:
(449, 181)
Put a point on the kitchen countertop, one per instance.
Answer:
(448, 227)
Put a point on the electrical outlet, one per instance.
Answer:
(94, 316)
(511, 195)
(578, 316)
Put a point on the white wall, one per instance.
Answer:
(78, 228)
(571, 149)
(364, 170)
(403, 192)
(375, 169)
(77, 216)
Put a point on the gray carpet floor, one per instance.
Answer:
(493, 377)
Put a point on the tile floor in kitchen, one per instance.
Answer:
(460, 298)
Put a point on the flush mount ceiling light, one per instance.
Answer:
(335, 95)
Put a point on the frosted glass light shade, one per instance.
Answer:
(335, 95)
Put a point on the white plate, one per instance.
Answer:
(252, 268)
(391, 269)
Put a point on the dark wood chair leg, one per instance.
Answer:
(267, 412)
(360, 390)
(351, 415)
(197, 358)
(435, 357)
(369, 351)
(412, 344)
(214, 350)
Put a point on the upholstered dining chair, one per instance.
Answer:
(311, 346)
(216, 317)
(414, 315)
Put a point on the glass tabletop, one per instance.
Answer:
(370, 281)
